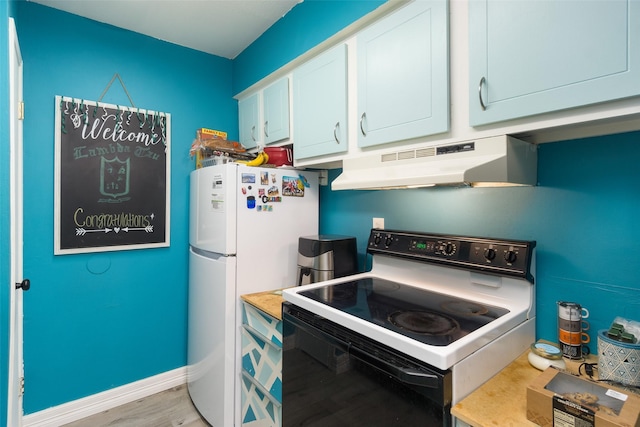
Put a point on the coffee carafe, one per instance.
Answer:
(326, 256)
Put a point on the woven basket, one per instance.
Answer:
(618, 361)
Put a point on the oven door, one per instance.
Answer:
(333, 376)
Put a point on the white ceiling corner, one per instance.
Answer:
(219, 27)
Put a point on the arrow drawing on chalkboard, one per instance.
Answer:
(83, 231)
(148, 229)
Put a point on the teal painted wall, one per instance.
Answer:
(583, 215)
(85, 333)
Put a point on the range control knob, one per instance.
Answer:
(376, 239)
(510, 257)
(490, 254)
(388, 241)
(449, 248)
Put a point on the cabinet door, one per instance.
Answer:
(403, 75)
(262, 361)
(261, 379)
(530, 57)
(276, 111)
(259, 408)
(320, 105)
(249, 121)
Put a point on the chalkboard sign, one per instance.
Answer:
(112, 172)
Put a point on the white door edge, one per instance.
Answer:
(16, 368)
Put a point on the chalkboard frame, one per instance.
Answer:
(100, 147)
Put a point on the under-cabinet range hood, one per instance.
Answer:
(493, 162)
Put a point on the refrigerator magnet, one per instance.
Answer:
(292, 186)
(273, 191)
(249, 178)
(304, 181)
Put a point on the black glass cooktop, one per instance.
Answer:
(430, 317)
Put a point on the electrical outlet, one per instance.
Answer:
(378, 223)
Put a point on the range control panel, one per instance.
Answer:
(494, 256)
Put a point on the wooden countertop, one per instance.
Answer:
(270, 302)
(502, 401)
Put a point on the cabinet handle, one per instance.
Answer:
(362, 118)
(266, 127)
(335, 135)
(253, 133)
(482, 81)
(261, 336)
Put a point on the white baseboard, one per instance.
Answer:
(96, 403)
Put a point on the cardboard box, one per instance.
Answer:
(204, 134)
(559, 399)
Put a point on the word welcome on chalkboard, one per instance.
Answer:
(112, 171)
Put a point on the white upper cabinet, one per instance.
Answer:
(264, 116)
(249, 121)
(432, 72)
(403, 75)
(320, 104)
(276, 111)
(531, 57)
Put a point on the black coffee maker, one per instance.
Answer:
(326, 256)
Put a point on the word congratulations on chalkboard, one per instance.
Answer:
(111, 177)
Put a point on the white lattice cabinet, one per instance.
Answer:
(261, 380)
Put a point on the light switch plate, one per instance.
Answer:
(378, 223)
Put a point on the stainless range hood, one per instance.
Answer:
(493, 162)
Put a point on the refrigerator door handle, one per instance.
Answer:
(208, 254)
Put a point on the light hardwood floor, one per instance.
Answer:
(170, 408)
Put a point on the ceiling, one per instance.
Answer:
(219, 27)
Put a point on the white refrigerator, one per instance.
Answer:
(244, 228)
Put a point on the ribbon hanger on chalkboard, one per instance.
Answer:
(106, 89)
(78, 113)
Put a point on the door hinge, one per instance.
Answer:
(21, 110)
(22, 386)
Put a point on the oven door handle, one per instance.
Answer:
(406, 375)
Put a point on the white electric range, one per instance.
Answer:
(448, 311)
